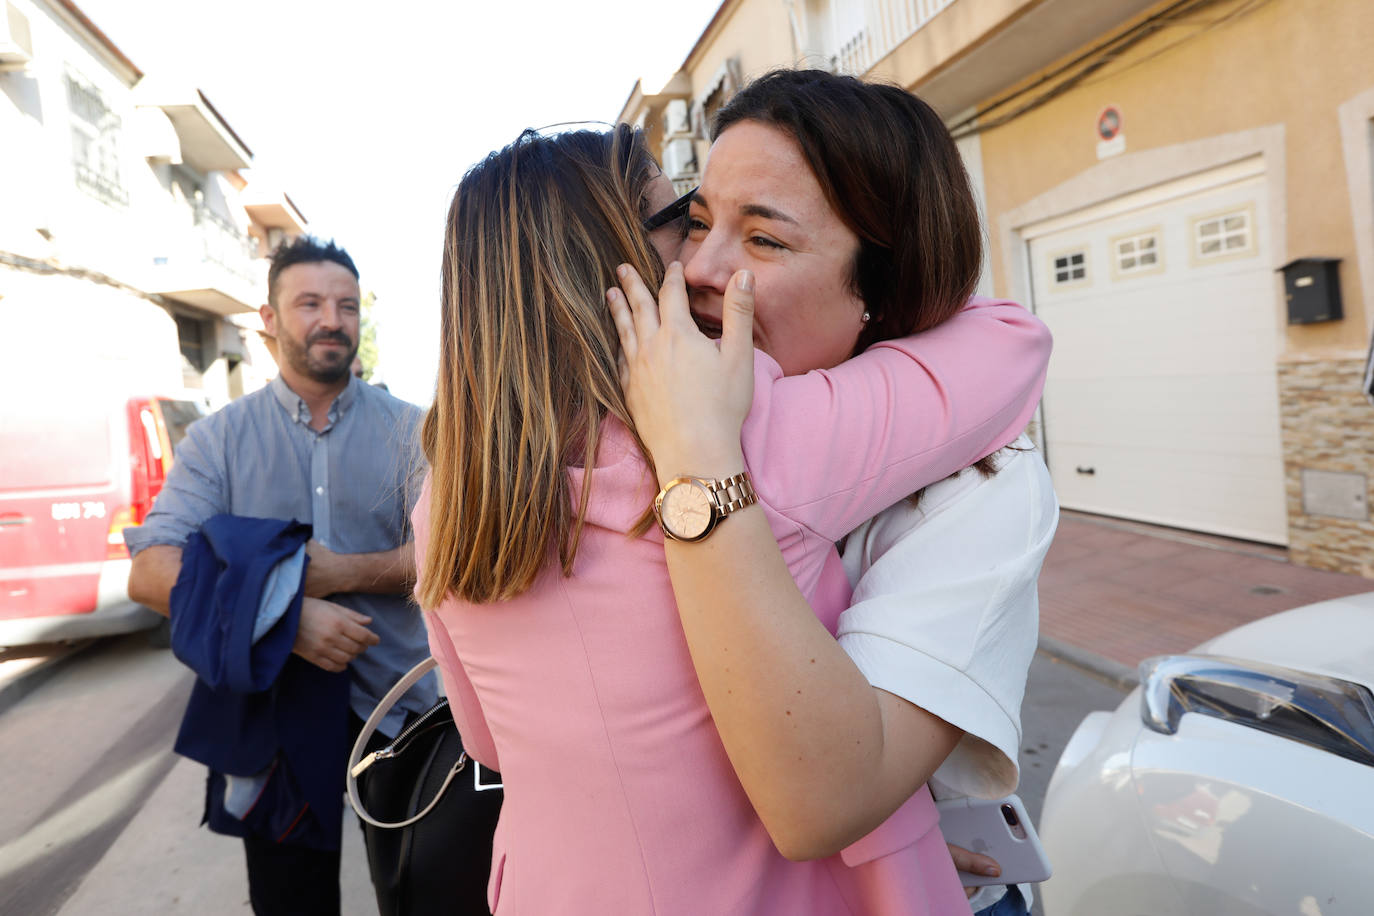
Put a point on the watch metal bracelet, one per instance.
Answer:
(733, 493)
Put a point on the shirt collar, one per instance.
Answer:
(295, 405)
(347, 396)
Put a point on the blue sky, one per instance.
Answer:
(367, 114)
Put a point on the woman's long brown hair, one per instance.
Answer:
(527, 366)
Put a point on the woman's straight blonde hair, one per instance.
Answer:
(528, 350)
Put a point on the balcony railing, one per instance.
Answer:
(224, 244)
(886, 24)
(104, 188)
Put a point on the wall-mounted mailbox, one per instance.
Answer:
(1313, 288)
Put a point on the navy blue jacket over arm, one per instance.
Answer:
(254, 705)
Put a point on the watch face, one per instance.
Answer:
(686, 510)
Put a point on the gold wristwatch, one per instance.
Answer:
(689, 508)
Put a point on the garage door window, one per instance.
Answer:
(1070, 268)
(1136, 254)
(1224, 235)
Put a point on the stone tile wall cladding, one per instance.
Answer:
(1328, 426)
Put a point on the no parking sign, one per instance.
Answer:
(1111, 134)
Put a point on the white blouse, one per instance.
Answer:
(945, 612)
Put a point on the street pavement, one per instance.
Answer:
(163, 865)
(1113, 593)
(99, 817)
(1058, 696)
(116, 834)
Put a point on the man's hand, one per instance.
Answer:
(328, 573)
(330, 635)
(974, 863)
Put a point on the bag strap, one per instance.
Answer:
(358, 764)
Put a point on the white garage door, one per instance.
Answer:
(1162, 399)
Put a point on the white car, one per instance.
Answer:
(1236, 779)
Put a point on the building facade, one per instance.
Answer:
(1182, 191)
(132, 238)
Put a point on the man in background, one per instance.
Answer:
(323, 447)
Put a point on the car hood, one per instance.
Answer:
(1332, 637)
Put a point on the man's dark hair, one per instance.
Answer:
(890, 170)
(304, 249)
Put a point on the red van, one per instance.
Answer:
(71, 480)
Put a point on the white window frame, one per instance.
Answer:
(96, 161)
(1124, 272)
(1248, 248)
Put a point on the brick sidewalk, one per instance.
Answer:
(1126, 591)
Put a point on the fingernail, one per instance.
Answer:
(992, 871)
(622, 270)
(746, 281)
(610, 295)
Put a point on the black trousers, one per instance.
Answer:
(287, 880)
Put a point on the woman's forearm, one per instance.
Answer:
(824, 756)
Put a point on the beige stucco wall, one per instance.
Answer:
(755, 31)
(1287, 62)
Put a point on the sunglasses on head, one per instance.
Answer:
(671, 213)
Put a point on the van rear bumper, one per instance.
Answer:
(110, 620)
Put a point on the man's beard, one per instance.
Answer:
(325, 373)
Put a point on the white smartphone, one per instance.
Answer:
(999, 828)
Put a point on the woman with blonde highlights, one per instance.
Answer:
(544, 585)
(527, 365)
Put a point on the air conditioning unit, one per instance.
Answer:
(679, 158)
(676, 118)
(16, 44)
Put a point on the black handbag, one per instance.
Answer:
(428, 812)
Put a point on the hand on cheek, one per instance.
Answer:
(687, 395)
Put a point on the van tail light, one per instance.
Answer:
(156, 446)
(141, 461)
(150, 456)
(115, 548)
(164, 441)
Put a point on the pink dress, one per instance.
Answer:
(619, 797)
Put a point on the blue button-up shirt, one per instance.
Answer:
(354, 482)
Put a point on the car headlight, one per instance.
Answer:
(1324, 712)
